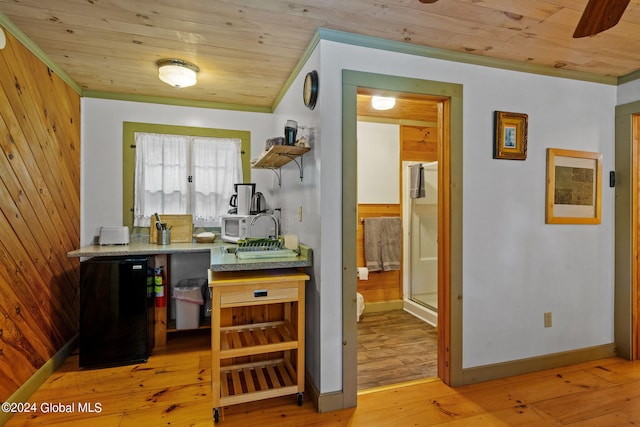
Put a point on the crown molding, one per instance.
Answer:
(174, 101)
(463, 57)
(635, 75)
(39, 53)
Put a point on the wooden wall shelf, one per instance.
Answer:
(280, 155)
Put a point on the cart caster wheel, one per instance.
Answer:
(216, 415)
(299, 399)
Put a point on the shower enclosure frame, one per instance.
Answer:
(417, 308)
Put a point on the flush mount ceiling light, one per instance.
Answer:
(383, 102)
(177, 73)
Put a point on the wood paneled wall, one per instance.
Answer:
(39, 214)
(419, 143)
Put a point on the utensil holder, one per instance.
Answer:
(164, 236)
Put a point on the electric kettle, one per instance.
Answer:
(258, 204)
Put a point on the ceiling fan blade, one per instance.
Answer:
(600, 15)
(428, 1)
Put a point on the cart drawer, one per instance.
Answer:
(257, 296)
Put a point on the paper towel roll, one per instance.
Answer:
(363, 273)
(291, 241)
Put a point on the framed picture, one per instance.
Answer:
(574, 187)
(510, 136)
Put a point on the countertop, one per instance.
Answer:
(143, 248)
(219, 261)
(228, 262)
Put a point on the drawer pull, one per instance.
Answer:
(261, 293)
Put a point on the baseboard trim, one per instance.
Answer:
(324, 402)
(311, 390)
(39, 377)
(538, 363)
(334, 401)
(375, 307)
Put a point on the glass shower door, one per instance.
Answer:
(424, 242)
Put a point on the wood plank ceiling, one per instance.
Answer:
(247, 49)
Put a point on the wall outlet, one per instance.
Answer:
(300, 213)
(547, 319)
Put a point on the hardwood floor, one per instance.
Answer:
(395, 347)
(172, 388)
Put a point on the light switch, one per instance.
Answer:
(547, 319)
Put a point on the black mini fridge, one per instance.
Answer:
(116, 311)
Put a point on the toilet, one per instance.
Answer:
(360, 303)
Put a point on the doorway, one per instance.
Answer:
(450, 245)
(627, 231)
(397, 344)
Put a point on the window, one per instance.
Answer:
(129, 129)
(180, 174)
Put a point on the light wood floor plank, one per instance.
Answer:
(172, 388)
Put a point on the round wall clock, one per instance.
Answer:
(310, 90)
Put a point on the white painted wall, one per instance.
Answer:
(306, 193)
(101, 154)
(378, 163)
(515, 267)
(628, 92)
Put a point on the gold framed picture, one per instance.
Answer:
(510, 136)
(574, 187)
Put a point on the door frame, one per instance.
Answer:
(627, 239)
(450, 312)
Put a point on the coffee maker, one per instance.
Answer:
(241, 201)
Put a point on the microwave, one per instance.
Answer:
(238, 227)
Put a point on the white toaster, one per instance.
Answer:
(114, 235)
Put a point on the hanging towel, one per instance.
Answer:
(417, 181)
(372, 244)
(382, 243)
(391, 238)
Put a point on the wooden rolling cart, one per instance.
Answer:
(257, 335)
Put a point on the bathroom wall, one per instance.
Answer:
(378, 195)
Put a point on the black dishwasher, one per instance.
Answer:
(116, 311)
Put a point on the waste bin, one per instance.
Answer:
(187, 294)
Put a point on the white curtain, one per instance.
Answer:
(164, 164)
(216, 166)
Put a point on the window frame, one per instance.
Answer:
(128, 155)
